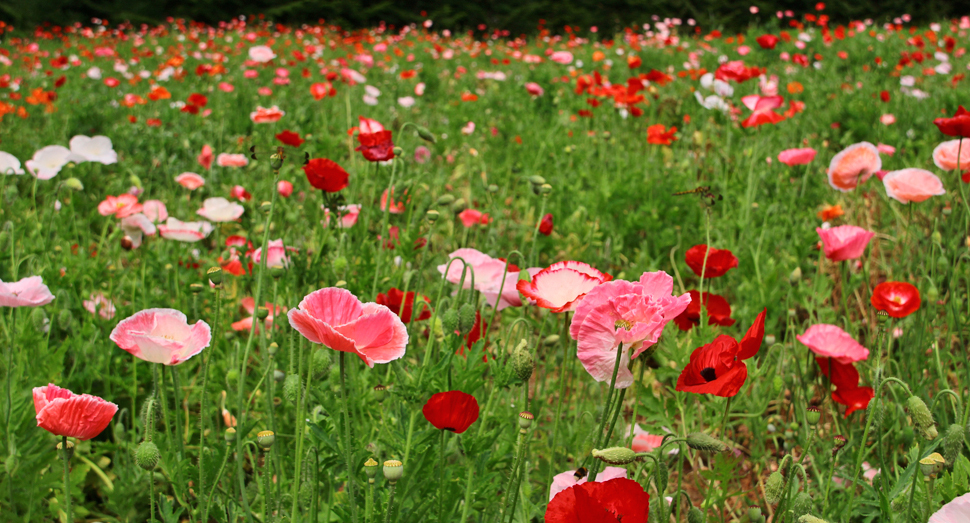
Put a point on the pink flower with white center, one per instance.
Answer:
(561, 57)
(277, 254)
(488, 275)
(261, 54)
(348, 216)
(9, 164)
(121, 206)
(249, 305)
(100, 305)
(28, 292)
(155, 210)
(190, 181)
(232, 160)
(564, 480)
(161, 336)
(220, 209)
(178, 230)
(829, 341)
(63, 413)
(136, 227)
(561, 286)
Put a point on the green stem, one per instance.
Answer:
(606, 409)
(11, 448)
(202, 410)
(385, 236)
(565, 340)
(441, 478)
(468, 493)
(348, 438)
(300, 430)
(912, 494)
(267, 487)
(407, 443)
(390, 504)
(535, 231)
(215, 484)
(512, 474)
(151, 493)
(67, 479)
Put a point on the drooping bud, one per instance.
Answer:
(450, 320)
(146, 455)
(813, 415)
(525, 420)
(922, 417)
(466, 318)
(393, 470)
(932, 464)
(522, 361)
(215, 275)
(774, 487)
(370, 469)
(615, 455)
(426, 134)
(705, 442)
(802, 505)
(696, 515)
(265, 439)
(953, 443)
(444, 200)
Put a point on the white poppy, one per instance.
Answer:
(94, 149)
(48, 161)
(175, 229)
(137, 226)
(220, 210)
(9, 164)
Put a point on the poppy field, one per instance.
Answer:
(256, 272)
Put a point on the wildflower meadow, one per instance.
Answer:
(255, 272)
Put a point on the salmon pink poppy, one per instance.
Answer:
(621, 312)
(453, 410)
(249, 305)
(277, 254)
(912, 185)
(470, 217)
(564, 480)
(718, 262)
(206, 157)
(120, 206)
(348, 216)
(716, 307)
(489, 274)
(830, 341)
(737, 71)
(326, 175)
(403, 306)
(560, 286)
(545, 225)
(284, 188)
(175, 229)
(854, 165)
(956, 125)
(792, 157)
(161, 336)
(952, 154)
(232, 160)
(65, 414)
(28, 292)
(718, 368)
(397, 206)
(956, 511)
(264, 115)
(897, 298)
(335, 318)
(614, 501)
(845, 242)
(190, 181)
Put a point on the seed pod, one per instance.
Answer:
(931, 465)
(705, 442)
(802, 504)
(813, 415)
(266, 207)
(953, 443)
(774, 487)
(466, 318)
(380, 392)
(276, 161)
(196, 288)
(146, 455)
(696, 515)
(393, 470)
(277, 271)
(663, 474)
(291, 387)
(230, 435)
(525, 420)
(922, 417)
(432, 216)
(615, 455)
(522, 361)
(262, 313)
(459, 205)
(215, 275)
(450, 320)
(265, 439)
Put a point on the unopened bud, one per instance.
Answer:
(432, 216)
(522, 361)
(444, 200)
(535, 179)
(705, 442)
(953, 443)
(393, 470)
(696, 515)
(266, 207)
(449, 320)
(74, 184)
(273, 348)
(146, 455)
(525, 420)
(616, 455)
(774, 487)
(802, 504)
(795, 275)
(466, 318)
(755, 515)
(196, 288)
(459, 205)
(426, 134)
(922, 417)
(278, 375)
(265, 439)
(262, 313)
(291, 387)
(492, 188)
(550, 340)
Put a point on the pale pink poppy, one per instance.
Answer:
(136, 227)
(175, 229)
(419, 89)
(240, 193)
(190, 181)
(468, 129)
(564, 480)
(854, 165)
(912, 185)
(406, 101)
(28, 292)
(99, 304)
(561, 57)
(63, 413)
(534, 89)
(155, 210)
(232, 160)
(743, 50)
(337, 319)
(352, 77)
(489, 274)
(888, 150)
(369, 125)
(284, 188)
(9, 164)
(470, 217)
(845, 242)
(348, 216)
(397, 207)
(249, 305)
(829, 341)
(226, 87)
(561, 286)
(220, 209)
(422, 154)
(956, 511)
(945, 155)
(797, 156)
(261, 54)
(757, 103)
(121, 206)
(264, 115)
(887, 119)
(161, 336)
(631, 313)
(277, 254)
(206, 157)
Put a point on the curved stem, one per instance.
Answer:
(385, 236)
(205, 374)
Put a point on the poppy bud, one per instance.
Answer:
(195, 288)
(74, 184)
(320, 363)
(932, 464)
(445, 200)
(265, 439)
(535, 179)
(466, 318)
(459, 205)
(937, 237)
(812, 415)
(922, 417)
(795, 275)
(663, 474)
(340, 264)
(273, 348)
(953, 443)
(696, 515)
(550, 340)
(525, 420)
(215, 275)
(777, 383)
(291, 387)
(262, 313)
(839, 444)
(932, 294)
(705, 442)
(334, 377)
(522, 361)
(450, 320)
(755, 515)
(802, 504)
(39, 319)
(393, 470)
(69, 451)
(808, 518)
(770, 339)
(277, 271)
(545, 188)
(432, 216)
(370, 468)
(232, 377)
(875, 411)
(146, 455)
(774, 487)
(398, 152)
(616, 455)
(426, 134)
(380, 392)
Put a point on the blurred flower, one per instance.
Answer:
(232, 160)
(184, 231)
(99, 304)
(793, 157)
(845, 242)
(249, 305)
(716, 308)
(190, 181)
(912, 185)
(264, 115)
(956, 125)
(120, 206)
(403, 306)
(205, 157)
(952, 155)
(220, 209)
(94, 149)
(261, 54)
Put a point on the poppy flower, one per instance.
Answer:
(951, 155)
(717, 308)
(830, 341)
(161, 336)
(614, 501)
(264, 115)
(534, 89)
(854, 165)
(899, 299)
(28, 292)
(99, 304)
(261, 53)
(49, 160)
(569, 478)
(288, 137)
(335, 318)
(718, 368)
(249, 305)
(845, 242)
(348, 216)
(397, 206)
(762, 108)
(136, 227)
(545, 225)
(277, 254)
(956, 125)
(956, 511)
(93, 149)
(719, 261)
(404, 306)
(206, 157)
(470, 217)
(830, 212)
(284, 188)
(375, 141)
(792, 157)
(453, 410)
(220, 209)
(488, 273)
(659, 135)
(240, 193)
(9, 164)
(232, 160)
(912, 185)
(326, 175)
(120, 206)
(65, 414)
(737, 71)
(845, 377)
(768, 41)
(190, 181)
(855, 398)
(560, 286)
(178, 230)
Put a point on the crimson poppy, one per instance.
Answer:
(403, 307)
(659, 134)
(290, 138)
(718, 368)
(956, 125)
(376, 147)
(719, 261)
(845, 377)
(899, 299)
(768, 41)
(545, 225)
(613, 501)
(326, 175)
(453, 410)
(855, 398)
(198, 99)
(737, 71)
(718, 311)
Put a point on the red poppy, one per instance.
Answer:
(956, 125)
(767, 41)
(198, 99)
(737, 71)
(719, 261)
(855, 398)
(290, 138)
(404, 307)
(376, 147)
(326, 175)
(718, 368)
(545, 225)
(613, 501)
(453, 410)
(718, 311)
(899, 299)
(658, 134)
(845, 377)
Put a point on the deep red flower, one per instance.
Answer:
(198, 99)
(614, 501)
(856, 398)
(453, 410)
(718, 368)
(845, 377)
(545, 225)
(767, 41)
(718, 311)
(956, 125)
(719, 261)
(884, 96)
(737, 71)
(326, 175)
(290, 138)
(395, 300)
(899, 299)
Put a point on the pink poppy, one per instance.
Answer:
(249, 305)
(845, 242)
(65, 414)
(232, 160)
(264, 115)
(337, 319)
(136, 227)
(561, 57)
(28, 292)
(422, 154)
(854, 165)
(121, 206)
(277, 254)
(619, 311)
(205, 157)
(161, 336)
(100, 305)
(797, 156)
(561, 286)
(887, 119)
(945, 155)
(178, 230)
(643, 441)
(763, 110)
(956, 511)
(488, 274)
(284, 188)
(240, 193)
(534, 89)
(912, 185)
(348, 216)
(190, 181)
(832, 342)
(470, 217)
(888, 150)
(220, 209)
(155, 210)
(564, 480)
(261, 54)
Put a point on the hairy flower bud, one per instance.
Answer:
(922, 417)
(615, 455)
(291, 387)
(663, 474)
(146, 455)
(74, 184)
(953, 443)
(774, 487)
(755, 515)
(522, 361)
(695, 515)
(444, 200)
(705, 442)
(450, 320)
(466, 318)
(393, 470)
(426, 134)
(802, 504)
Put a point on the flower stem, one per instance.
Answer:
(267, 487)
(13, 339)
(390, 504)
(565, 340)
(468, 492)
(67, 479)
(348, 442)
(606, 409)
(384, 232)
(205, 374)
(215, 484)
(441, 479)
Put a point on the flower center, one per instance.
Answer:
(622, 324)
(708, 374)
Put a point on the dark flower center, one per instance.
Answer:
(449, 428)
(708, 374)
